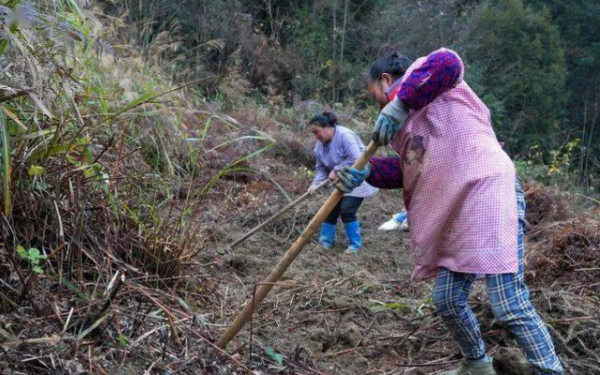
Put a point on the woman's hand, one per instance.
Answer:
(390, 121)
(332, 175)
(351, 178)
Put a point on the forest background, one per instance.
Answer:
(535, 63)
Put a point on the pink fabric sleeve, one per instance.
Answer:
(385, 173)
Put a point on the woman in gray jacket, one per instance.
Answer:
(338, 147)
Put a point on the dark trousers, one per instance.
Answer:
(346, 208)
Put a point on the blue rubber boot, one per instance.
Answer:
(353, 233)
(401, 217)
(327, 236)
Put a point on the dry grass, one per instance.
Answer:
(100, 181)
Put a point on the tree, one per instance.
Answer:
(518, 54)
(577, 21)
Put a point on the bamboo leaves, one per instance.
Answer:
(12, 3)
(13, 117)
(40, 105)
(6, 163)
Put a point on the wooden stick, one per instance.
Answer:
(291, 254)
(302, 198)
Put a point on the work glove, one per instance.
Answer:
(351, 178)
(390, 121)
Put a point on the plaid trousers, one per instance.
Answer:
(509, 298)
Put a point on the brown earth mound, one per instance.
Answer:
(571, 259)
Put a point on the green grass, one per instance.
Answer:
(6, 163)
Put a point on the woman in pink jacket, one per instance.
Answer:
(465, 206)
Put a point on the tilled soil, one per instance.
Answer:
(333, 313)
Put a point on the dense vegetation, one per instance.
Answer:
(536, 63)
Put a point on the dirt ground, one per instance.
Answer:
(334, 313)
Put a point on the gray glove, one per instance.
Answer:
(351, 178)
(390, 121)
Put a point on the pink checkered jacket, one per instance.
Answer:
(459, 185)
